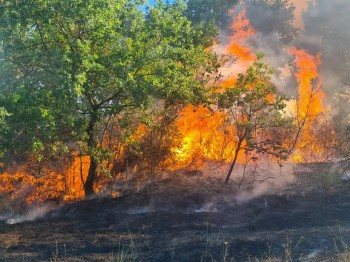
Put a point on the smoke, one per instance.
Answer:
(246, 196)
(278, 57)
(275, 33)
(6, 216)
(268, 178)
(317, 26)
(300, 7)
(272, 22)
(208, 207)
(326, 32)
(33, 214)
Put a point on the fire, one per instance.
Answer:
(310, 94)
(26, 188)
(309, 105)
(242, 30)
(76, 174)
(205, 133)
(206, 136)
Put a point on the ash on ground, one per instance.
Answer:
(294, 211)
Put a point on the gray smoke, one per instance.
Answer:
(273, 22)
(326, 31)
(33, 214)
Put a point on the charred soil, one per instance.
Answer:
(188, 220)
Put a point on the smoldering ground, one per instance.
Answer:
(192, 219)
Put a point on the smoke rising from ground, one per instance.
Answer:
(246, 196)
(31, 215)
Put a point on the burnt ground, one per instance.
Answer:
(192, 219)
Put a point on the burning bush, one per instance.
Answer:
(25, 189)
(79, 103)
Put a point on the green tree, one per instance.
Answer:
(3, 128)
(71, 64)
(210, 12)
(255, 112)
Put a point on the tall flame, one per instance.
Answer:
(206, 136)
(242, 30)
(310, 94)
(309, 105)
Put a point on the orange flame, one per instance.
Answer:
(309, 106)
(206, 136)
(242, 30)
(25, 188)
(310, 93)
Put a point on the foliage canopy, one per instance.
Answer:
(256, 113)
(68, 65)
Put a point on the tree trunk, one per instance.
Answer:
(238, 148)
(90, 179)
(89, 183)
(233, 164)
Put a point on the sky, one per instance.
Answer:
(152, 1)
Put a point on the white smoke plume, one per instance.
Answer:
(246, 196)
(31, 215)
